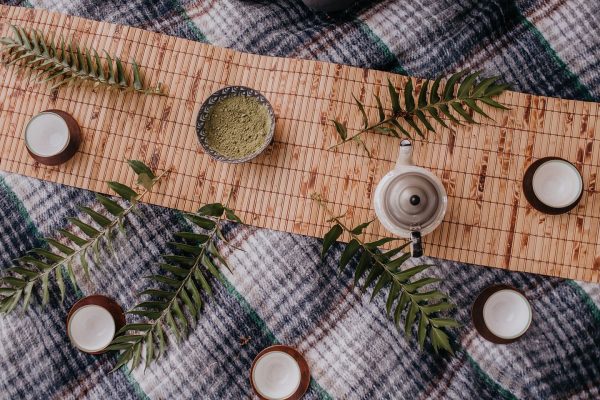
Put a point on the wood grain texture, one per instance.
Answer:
(488, 222)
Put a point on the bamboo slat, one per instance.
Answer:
(488, 222)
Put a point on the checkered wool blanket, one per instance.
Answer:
(280, 291)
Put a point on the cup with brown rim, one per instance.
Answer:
(93, 322)
(52, 137)
(501, 314)
(279, 373)
(553, 185)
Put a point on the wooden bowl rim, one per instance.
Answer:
(221, 94)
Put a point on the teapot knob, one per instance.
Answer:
(405, 156)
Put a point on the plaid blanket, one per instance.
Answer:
(280, 291)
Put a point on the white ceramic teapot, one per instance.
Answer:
(410, 201)
(329, 5)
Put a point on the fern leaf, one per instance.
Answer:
(448, 102)
(363, 263)
(422, 101)
(177, 302)
(64, 63)
(385, 272)
(380, 110)
(123, 190)
(349, 252)
(361, 107)
(40, 264)
(211, 210)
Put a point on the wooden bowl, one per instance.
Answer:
(222, 94)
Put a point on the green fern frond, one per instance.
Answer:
(183, 286)
(75, 247)
(406, 296)
(62, 63)
(455, 101)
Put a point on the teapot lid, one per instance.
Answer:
(412, 200)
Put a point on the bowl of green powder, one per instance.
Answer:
(235, 124)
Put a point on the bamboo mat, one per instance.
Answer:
(488, 221)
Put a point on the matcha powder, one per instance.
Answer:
(237, 126)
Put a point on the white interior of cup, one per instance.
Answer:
(276, 375)
(557, 183)
(91, 328)
(507, 314)
(47, 134)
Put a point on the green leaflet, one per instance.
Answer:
(330, 238)
(212, 210)
(62, 63)
(394, 98)
(231, 216)
(358, 230)
(71, 246)
(409, 100)
(176, 302)
(145, 174)
(123, 190)
(202, 222)
(349, 252)
(341, 129)
(419, 112)
(361, 108)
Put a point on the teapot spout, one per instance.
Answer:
(405, 156)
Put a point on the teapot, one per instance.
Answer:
(410, 201)
(329, 5)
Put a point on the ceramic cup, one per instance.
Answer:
(279, 373)
(553, 185)
(502, 314)
(52, 137)
(92, 323)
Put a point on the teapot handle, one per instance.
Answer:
(405, 155)
(416, 246)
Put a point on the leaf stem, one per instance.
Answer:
(367, 129)
(198, 261)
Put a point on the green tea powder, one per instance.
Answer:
(237, 126)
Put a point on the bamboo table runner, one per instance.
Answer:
(488, 222)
